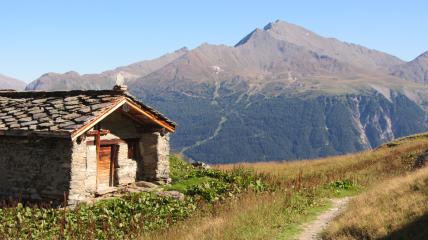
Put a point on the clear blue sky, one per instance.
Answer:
(91, 36)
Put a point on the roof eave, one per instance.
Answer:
(169, 126)
(76, 133)
(161, 121)
(29, 133)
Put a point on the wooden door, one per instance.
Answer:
(104, 167)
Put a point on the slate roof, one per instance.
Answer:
(59, 111)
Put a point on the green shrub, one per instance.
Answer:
(127, 217)
(117, 218)
(224, 184)
(342, 185)
(178, 168)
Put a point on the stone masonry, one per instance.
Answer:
(35, 168)
(43, 158)
(154, 148)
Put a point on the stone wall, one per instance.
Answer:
(79, 173)
(46, 168)
(153, 164)
(122, 127)
(91, 169)
(34, 168)
(127, 168)
(154, 149)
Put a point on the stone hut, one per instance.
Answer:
(75, 144)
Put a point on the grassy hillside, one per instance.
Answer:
(394, 209)
(246, 201)
(302, 190)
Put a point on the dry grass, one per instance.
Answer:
(365, 167)
(253, 216)
(394, 209)
(224, 221)
(301, 192)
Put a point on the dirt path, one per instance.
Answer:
(313, 229)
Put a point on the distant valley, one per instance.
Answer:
(282, 92)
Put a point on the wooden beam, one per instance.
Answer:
(132, 116)
(152, 117)
(98, 147)
(107, 142)
(96, 132)
(76, 133)
(113, 159)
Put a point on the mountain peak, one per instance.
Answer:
(280, 24)
(289, 33)
(281, 30)
(248, 37)
(183, 49)
(72, 73)
(270, 25)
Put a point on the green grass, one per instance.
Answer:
(133, 214)
(183, 185)
(182, 175)
(299, 192)
(237, 203)
(341, 189)
(291, 230)
(179, 168)
(320, 203)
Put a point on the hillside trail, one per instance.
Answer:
(312, 230)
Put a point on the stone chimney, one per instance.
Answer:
(120, 83)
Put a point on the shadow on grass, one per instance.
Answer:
(416, 230)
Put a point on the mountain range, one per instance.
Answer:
(11, 83)
(282, 92)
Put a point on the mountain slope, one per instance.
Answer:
(11, 83)
(415, 70)
(105, 80)
(347, 52)
(282, 92)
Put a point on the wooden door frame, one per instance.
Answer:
(113, 159)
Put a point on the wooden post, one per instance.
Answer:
(98, 147)
(97, 134)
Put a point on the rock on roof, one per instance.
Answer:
(60, 111)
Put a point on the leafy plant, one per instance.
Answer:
(131, 215)
(342, 185)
